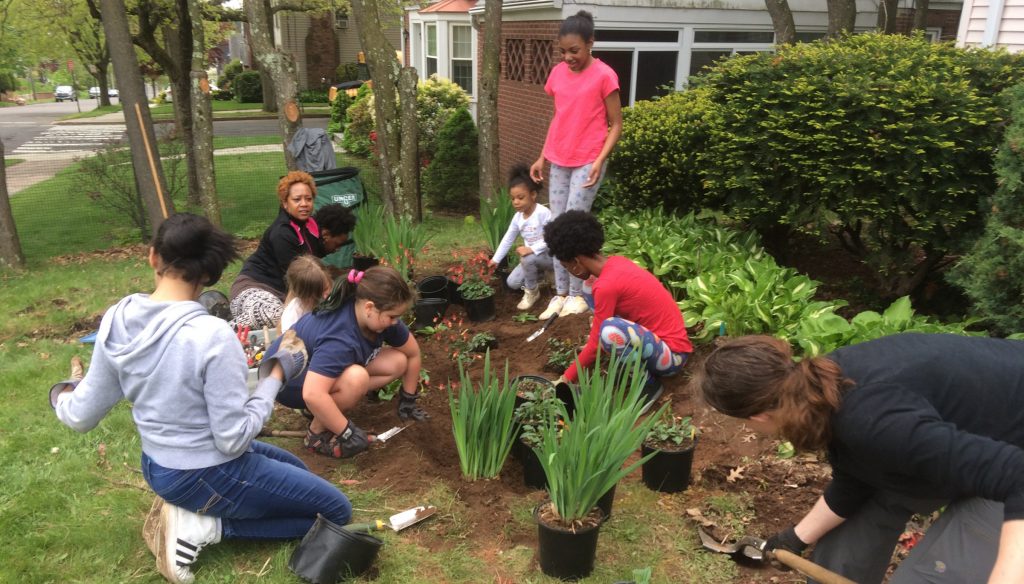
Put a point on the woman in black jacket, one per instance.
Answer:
(911, 423)
(258, 293)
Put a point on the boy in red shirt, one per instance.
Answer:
(632, 310)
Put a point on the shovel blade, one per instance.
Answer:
(400, 521)
(711, 543)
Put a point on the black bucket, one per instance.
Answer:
(454, 296)
(363, 263)
(565, 554)
(533, 472)
(329, 553)
(433, 287)
(480, 309)
(428, 311)
(605, 503)
(667, 471)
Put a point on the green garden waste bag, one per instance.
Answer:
(339, 185)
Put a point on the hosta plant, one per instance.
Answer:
(483, 422)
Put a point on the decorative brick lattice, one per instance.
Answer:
(515, 60)
(540, 64)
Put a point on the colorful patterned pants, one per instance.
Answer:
(624, 336)
(566, 193)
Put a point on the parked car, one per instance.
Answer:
(94, 92)
(65, 93)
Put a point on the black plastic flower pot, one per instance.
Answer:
(479, 309)
(564, 392)
(428, 311)
(329, 553)
(566, 554)
(605, 503)
(454, 296)
(363, 263)
(433, 287)
(667, 471)
(533, 472)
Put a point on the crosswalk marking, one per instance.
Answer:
(79, 139)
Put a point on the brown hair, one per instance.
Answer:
(751, 375)
(381, 285)
(306, 278)
(284, 186)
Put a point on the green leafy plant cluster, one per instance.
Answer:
(483, 422)
(495, 216)
(231, 70)
(347, 72)
(523, 317)
(992, 273)
(669, 430)
(540, 409)
(360, 122)
(475, 289)
(403, 241)
(437, 100)
(247, 87)
(369, 230)
(339, 108)
(561, 353)
(586, 458)
(452, 177)
(313, 96)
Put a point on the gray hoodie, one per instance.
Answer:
(184, 373)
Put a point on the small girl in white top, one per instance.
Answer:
(308, 284)
(529, 221)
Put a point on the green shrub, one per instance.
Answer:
(992, 274)
(247, 87)
(437, 99)
(339, 107)
(8, 81)
(313, 96)
(655, 161)
(223, 95)
(883, 140)
(347, 72)
(451, 180)
(360, 122)
(231, 70)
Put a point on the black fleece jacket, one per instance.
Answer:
(280, 245)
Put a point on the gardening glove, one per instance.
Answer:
(407, 408)
(290, 354)
(60, 388)
(786, 540)
(352, 441)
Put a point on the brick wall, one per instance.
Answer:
(947, 20)
(321, 57)
(524, 110)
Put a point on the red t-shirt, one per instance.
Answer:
(580, 126)
(628, 291)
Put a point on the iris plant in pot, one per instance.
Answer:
(368, 235)
(585, 459)
(483, 422)
(671, 440)
(537, 408)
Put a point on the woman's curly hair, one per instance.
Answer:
(296, 176)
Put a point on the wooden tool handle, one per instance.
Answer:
(809, 568)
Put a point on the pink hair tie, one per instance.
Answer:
(354, 276)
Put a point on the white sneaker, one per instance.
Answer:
(574, 305)
(182, 535)
(530, 298)
(153, 525)
(554, 307)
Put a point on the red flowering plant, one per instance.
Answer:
(473, 277)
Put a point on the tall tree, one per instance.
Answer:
(410, 173)
(487, 106)
(921, 14)
(842, 15)
(782, 21)
(11, 255)
(887, 10)
(281, 68)
(149, 176)
(202, 130)
(80, 22)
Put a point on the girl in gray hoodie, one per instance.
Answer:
(184, 372)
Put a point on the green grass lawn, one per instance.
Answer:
(13, 161)
(99, 110)
(222, 142)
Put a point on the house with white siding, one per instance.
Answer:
(992, 23)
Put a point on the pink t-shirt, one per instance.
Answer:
(580, 125)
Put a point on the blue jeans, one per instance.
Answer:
(267, 493)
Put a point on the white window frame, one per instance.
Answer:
(471, 59)
(341, 18)
(427, 27)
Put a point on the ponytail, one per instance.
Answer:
(381, 285)
(580, 24)
(756, 374)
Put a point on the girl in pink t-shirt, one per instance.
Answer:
(583, 131)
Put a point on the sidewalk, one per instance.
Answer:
(118, 117)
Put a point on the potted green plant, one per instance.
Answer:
(536, 407)
(403, 240)
(584, 460)
(483, 422)
(368, 235)
(671, 440)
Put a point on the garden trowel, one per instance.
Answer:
(542, 328)
(398, 521)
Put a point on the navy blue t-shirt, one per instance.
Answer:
(334, 341)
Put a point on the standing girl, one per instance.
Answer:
(184, 372)
(346, 335)
(586, 125)
(529, 221)
(308, 284)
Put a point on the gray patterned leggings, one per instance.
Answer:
(566, 193)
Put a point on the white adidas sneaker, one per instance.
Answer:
(182, 535)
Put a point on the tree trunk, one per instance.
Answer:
(11, 255)
(149, 176)
(841, 17)
(281, 68)
(487, 106)
(179, 46)
(409, 173)
(266, 81)
(921, 14)
(202, 129)
(101, 78)
(782, 21)
(384, 68)
(887, 16)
